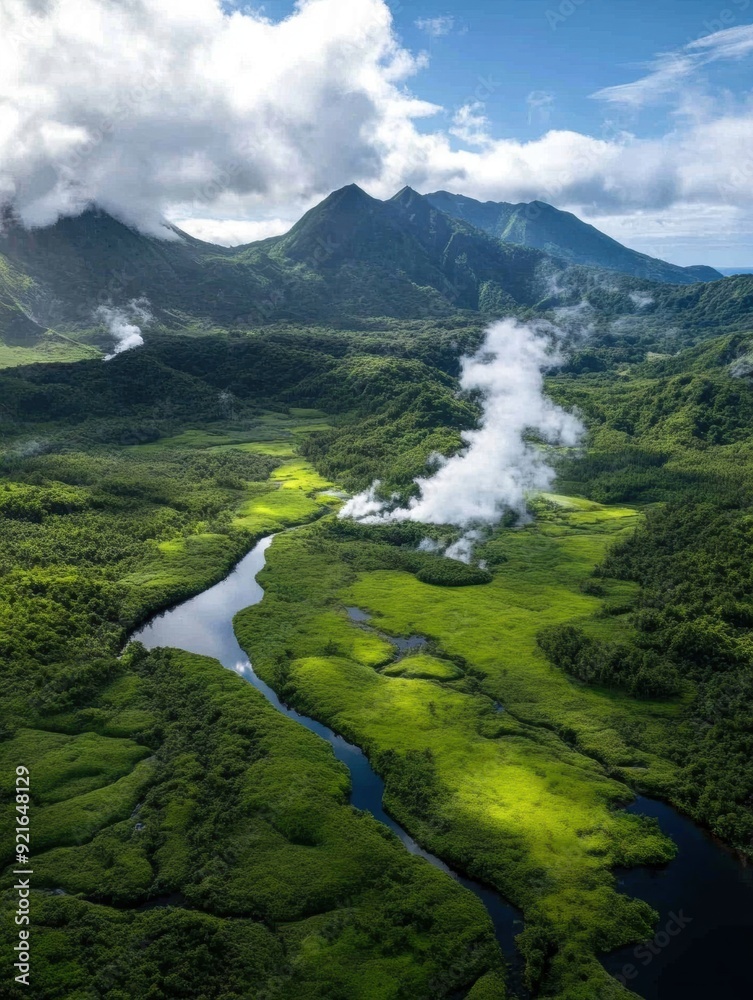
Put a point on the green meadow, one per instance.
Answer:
(45, 348)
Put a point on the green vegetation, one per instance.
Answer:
(514, 798)
(263, 881)
(350, 259)
(167, 862)
(47, 347)
(564, 235)
(605, 649)
(678, 431)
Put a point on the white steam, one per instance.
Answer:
(122, 323)
(500, 465)
(641, 300)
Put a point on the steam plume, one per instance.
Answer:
(641, 300)
(499, 465)
(122, 322)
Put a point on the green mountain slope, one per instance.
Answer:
(565, 235)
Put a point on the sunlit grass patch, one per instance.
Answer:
(293, 497)
(49, 347)
(275, 449)
(424, 667)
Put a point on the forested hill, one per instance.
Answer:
(563, 234)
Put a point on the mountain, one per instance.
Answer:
(349, 259)
(564, 235)
(404, 257)
(350, 256)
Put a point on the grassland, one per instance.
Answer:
(44, 348)
(527, 798)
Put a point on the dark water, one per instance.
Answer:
(705, 902)
(402, 645)
(204, 625)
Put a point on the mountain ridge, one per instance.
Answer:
(351, 255)
(540, 225)
(350, 258)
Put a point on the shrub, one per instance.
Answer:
(441, 572)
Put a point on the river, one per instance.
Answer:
(204, 624)
(704, 897)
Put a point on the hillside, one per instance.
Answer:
(564, 235)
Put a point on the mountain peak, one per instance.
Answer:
(350, 195)
(406, 195)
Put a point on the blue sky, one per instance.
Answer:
(545, 63)
(233, 117)
(536, 65)
(530, 48)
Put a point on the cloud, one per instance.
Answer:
(436, 27)
(499, 466)
(223, 119)
(233, 233)
(671, 71)
(471, 125)
(171, 106)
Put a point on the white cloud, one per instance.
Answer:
(233, 232)
(471, 125)
(223, 120)
(436, 27)
(671, 71)
(156, 106)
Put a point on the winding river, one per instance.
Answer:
(704, 897)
